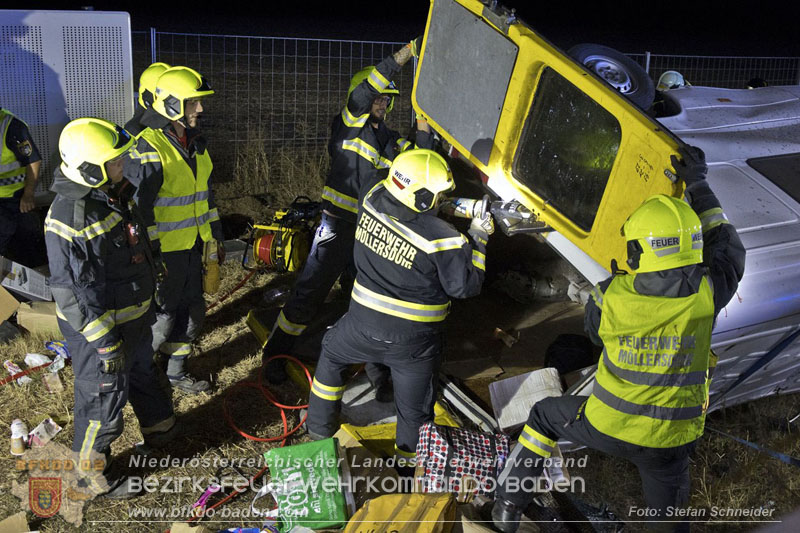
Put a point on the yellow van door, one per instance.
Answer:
(545, 130)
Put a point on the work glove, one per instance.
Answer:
(112, 359)
(416, 46)
(481, 227)
(691, 167)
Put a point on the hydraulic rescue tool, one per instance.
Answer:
(512, 217)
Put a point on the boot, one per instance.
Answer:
(180, 378)
(506, 515)
(279, 343)
(160, 439)
(314, 436)
(111, 482)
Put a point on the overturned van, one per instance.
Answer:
(576, 142)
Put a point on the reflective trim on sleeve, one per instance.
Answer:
(289, 327)
(479, 259)
(98, 327)
(213, 214)
(352, 121)
(59, 228)
(403, 144)
(536, 442)
(382, 162)
(712, 218)
(327, 392)
(348, 203)
(378, 80)
(597, 294)
(399, 308)
(683, 379)
(152, 232)
(103, 226)
(652, 411)
(362, 148)
(147, 157)
(450, 243)
(127, 314)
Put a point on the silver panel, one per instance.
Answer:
(56, 66)
(466, 100)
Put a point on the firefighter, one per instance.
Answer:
(409, 264)
(651, 391)
(20, 162)
(360, 144)
(147, 91)
(102, 283)
(172, 168)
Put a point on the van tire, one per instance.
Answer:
(618, 70)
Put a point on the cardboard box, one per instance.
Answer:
(24, 280)
(39, 317)
(513, 398)
(8, 304)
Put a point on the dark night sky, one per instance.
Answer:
(677, 27)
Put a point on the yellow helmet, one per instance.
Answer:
(86, 145)
(147, 83)
(663, 232)
(419, 178)
(174, 87)
(365, 73)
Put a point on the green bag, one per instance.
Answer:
(307, 484)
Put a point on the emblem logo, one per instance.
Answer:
(45, 495)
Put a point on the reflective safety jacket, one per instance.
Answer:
(653, 378)
(17, 151)
(174, 194)
(99, 280)
(355, 146)
(409, 266)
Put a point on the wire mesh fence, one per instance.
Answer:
(282, 93)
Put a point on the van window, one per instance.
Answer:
(567, 149)
(782, 170)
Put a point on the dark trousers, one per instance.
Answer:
(664, 471)
(414, 367)
(99, 397)
(181, 308)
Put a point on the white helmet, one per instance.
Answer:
(671, 79)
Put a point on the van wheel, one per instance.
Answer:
(618, 70)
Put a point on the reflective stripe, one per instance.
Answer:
(684, 379)
(418, 241)
(661, 252)
(348, 203)
(478, 259)
(450, 243)
(132, 312)
(327, 392)
(164, 227)
(289, 327)
(653, 411)
(176, 349)
(95, 230)
(152, 232)
(89, 438)
(480, 239)
(382, 162)
(103, 226)
(378, 80)
(536, 442)
(213, 215)
(189, 199)
(13, 180)
(403, 144)
(399, 308)
(352, 121)
(363, 149)
(147, 157)
(98, 327)
(404, 454)
(712, 218)
(597, 294)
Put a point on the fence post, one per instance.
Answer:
(647, 62)
(152, 45)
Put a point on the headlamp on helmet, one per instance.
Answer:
(86, 145)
